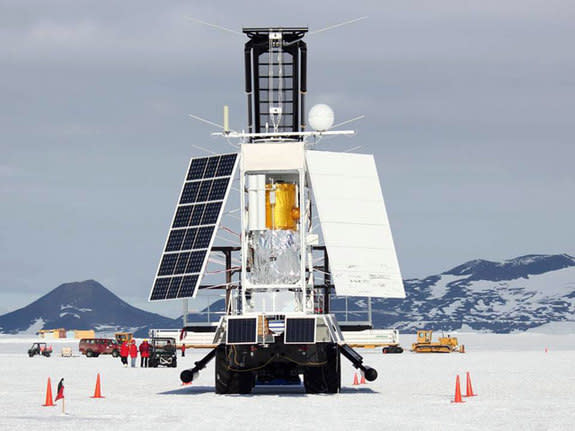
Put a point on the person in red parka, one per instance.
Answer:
(133, 352)
(124, 352)
(144, 354)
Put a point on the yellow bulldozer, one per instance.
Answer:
(123, 336)
(445, 345)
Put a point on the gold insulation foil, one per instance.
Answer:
(282, 213)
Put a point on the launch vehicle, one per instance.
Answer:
(278, 326)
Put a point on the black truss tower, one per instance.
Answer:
(276, 82)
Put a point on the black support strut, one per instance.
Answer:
(357, 361)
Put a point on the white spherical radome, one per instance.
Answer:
(321, 117)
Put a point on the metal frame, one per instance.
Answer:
(302, 284)
(284, 40)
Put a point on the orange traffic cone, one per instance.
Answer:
(49, 402)
(98, 390)
(457, 392)
(362, 381)
(355, 381)
(469, 389)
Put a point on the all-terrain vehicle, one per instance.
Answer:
(162, 352)
(40, 349)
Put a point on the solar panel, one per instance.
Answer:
(194, 226)
(242, 330)
(299, 330)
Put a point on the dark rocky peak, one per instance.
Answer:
(511, 269)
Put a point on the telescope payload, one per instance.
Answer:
(278, 325)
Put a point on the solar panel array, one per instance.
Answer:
(194, 226)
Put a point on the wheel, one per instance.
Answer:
(242, 383)
(115, 353)
(95, 355)
(31, 354)
(174, 363)
(89, 353)
(324, 378)
(385, 350)
(231, 382)
(333, 370)
(223, 374)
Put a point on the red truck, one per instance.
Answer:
(94, 347)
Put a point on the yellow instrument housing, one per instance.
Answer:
(283, 213)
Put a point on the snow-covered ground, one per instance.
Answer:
(520, 387)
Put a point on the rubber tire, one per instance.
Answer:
(89, 354)
(31, 354)
(228, 381)
(325, 379)
(115, 353)
(243, 383)
(174, 363)
(223, 376)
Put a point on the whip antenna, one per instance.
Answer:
(229, 30)
(331, 27)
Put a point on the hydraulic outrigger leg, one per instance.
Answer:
(192, 373)
(357, 360)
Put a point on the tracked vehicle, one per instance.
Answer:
(424, 344)
(278, 327)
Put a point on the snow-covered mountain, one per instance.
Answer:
(512, 295)
(83, 305)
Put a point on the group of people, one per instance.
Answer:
(129, 349)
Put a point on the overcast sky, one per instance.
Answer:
(470, 112)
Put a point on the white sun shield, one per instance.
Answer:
(354, 223)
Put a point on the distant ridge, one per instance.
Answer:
(83, 305)
(506, 296)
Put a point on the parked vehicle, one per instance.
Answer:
(445, 345)
(40, 349)
(94, 347)
(123, 336)
(162, 352)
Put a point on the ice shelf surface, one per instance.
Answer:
(520, 386)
